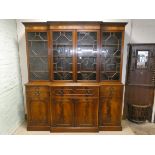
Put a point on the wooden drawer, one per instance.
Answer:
(76, 91)
(37, 88)
(111, 91)
(37, 91)
(37, 94)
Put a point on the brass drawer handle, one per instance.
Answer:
(88, 91)
(61, 92)
(37, 93)
(73, 90)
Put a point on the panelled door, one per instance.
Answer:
(86, 113)
(74, 112)
(62, 112)
(38, 105)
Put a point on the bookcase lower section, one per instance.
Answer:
(74, 107)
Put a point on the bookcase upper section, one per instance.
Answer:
(75, 51)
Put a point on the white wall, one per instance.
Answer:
(143, 31)
(11, 97)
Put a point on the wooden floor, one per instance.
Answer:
(129, 128)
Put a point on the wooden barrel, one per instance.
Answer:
(139, 113)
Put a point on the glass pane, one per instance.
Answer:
(38, 55)
(86, 55)
(62, 55)
(63, 76)
(142, 59)
(39, 64)
(39, 75)
(111, 55)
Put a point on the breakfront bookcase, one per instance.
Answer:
(75, 71)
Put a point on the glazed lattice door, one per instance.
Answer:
(111, 56)
(62, 42)
(87, 55)
(38, 55)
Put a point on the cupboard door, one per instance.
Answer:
(62, 55)
(62, 112)
(86, 112)
(110, 111)
(38, 111)
(38, 55)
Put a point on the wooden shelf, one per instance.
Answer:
(85, 45)
(62, 57)
(38, 40)
(110, 71)
(63, 71)
(38, 56)
(111, 44)
(86, 72)
(55, 45)
(39, 71)
(112, 56)
(87, 56)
